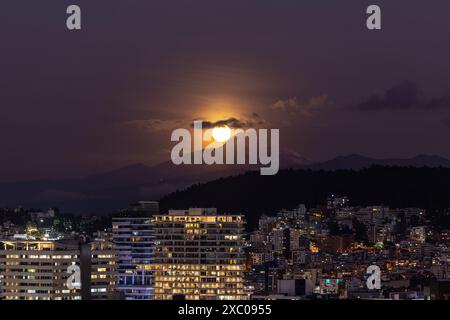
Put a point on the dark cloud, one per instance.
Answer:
(157, 124)
(171, 124)
(235, 123)
(294, 106)
(404, 96)
(441, 102)
(446, 122)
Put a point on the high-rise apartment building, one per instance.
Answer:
(37, 270)
(199, 255)
(133, 238)
(40, 270)
(103, 270)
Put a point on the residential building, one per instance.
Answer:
(199, 255)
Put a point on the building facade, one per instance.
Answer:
(37, 270)
(103, 267)
(134, 243)
(199, 255)
(41, 270)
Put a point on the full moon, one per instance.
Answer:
(221, 134)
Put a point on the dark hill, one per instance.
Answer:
(254, 195)
(109, 191)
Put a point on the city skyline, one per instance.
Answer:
(234, 157)
(301, 253)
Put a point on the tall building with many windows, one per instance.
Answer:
(40, 270)
(133, 238)
(37, 270)
(199, 255)
(103, 270)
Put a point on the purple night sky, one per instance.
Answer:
(76, 103)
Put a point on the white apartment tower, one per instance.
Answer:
(39, 270)
(199, 255)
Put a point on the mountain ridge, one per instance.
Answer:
(114, 189)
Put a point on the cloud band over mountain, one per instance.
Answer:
(404, 96)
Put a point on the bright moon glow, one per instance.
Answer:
(221, 134)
